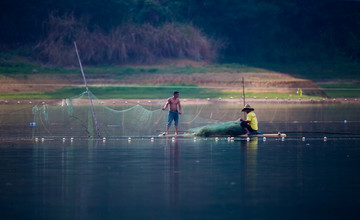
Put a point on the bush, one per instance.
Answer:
(128, 43)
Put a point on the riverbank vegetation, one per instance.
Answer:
(316, 40)
(142, 31)
(126, 43)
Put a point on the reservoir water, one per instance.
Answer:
(186, 179)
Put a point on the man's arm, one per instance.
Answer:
(247, 120)
(180, 111)
(166, 105)
(244, 120)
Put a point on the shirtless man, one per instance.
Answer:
(173, 112)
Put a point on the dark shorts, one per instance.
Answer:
(173, 115)
(246, 125)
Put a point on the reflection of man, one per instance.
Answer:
(173, 156)
(253, 144)
(250, 125)
(250, 171)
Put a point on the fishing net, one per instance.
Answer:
(230, 128)
(73, 118)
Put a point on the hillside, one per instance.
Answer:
(212, 79)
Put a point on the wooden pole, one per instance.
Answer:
(243, 82)
(88, 92)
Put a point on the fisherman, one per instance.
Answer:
(174, 102)
(250, 125)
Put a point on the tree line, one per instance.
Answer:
(269, 30)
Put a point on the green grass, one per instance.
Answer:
(336, 90)
(318, 71)
(347, 71)
(21, 67)
(25, 95)
(339, 68)
(15, 64)
(146, 92)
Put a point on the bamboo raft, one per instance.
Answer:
(243, 136)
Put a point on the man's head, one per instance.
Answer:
(176, 94)
(248, 111)
(247, 108)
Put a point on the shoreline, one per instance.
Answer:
(185, 101)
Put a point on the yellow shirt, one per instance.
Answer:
(253, 120)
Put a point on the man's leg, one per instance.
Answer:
(176, 130)
(176, 121)
(168, 124)
(245, 126)
(247, 130)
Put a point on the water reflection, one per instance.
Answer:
(250, 165)
(178, 179)
(172, 159)
(63, 178)
(72, 178)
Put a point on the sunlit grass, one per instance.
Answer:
(25, 95)
(11, 66)
(335, 90)
(319, 71)
(149, 92)
(21, 67)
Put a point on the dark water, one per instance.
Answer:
(183, 179)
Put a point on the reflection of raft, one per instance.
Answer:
(243, 135)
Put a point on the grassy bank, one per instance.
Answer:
(335, 90)
(338, 69)
(344, 71)
(17, 63)
(146, 92)
(23, 67)
(16, 67)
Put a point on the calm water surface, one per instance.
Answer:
(186, 179)
(181, 179)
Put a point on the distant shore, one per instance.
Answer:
(131, 102)
(194, 80)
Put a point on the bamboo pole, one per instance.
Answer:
(88, 92)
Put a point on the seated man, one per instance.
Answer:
(250, 125)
